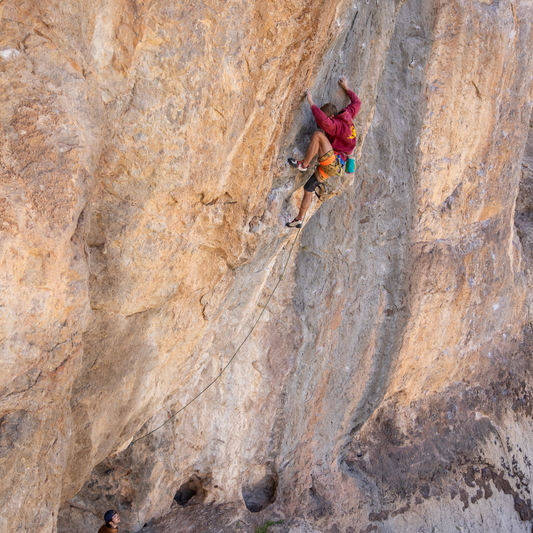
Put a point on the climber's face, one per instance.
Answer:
(115, 520)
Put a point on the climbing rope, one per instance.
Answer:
(236, 352)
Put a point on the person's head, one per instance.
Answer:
(112, 519)
(329, 109)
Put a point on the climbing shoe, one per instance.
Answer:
(294, 224)
(320, 190)
(297, 164)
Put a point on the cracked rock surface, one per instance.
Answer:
(144, 192)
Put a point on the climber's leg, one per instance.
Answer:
(306, 202)
(309, 189)
(319, 144)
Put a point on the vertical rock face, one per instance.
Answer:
(386, 385)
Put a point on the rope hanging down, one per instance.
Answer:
(236, 352)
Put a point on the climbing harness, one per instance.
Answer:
(236, 352)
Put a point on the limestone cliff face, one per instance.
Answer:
(144, 195)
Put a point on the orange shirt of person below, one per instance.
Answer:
(105, 529)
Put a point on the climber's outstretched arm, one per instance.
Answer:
(355, 103)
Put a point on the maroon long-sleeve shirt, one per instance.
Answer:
(339, 129)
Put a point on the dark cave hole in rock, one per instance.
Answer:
(189, 490)
(259, 494)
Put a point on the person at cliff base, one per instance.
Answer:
(333, 145)
(112, 521)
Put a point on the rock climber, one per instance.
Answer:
(112, 521)
(333, 146)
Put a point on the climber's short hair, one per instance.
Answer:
(329, 109)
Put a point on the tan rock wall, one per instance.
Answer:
(144, 198)
(47, 167)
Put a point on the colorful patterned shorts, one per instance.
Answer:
(329, 165)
